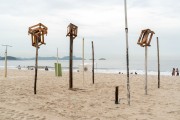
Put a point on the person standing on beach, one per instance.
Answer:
(177, 72)
(46, 68)
(173, 72)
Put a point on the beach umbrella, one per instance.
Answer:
(127, 52)
(72, 33)
(144, 41)
(37, 36)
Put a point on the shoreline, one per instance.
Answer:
(99, 70)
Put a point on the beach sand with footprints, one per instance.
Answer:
(54, 101)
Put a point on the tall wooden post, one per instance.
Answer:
(127, 53)
(146, 70)
(72, 33)
(5, 60)
(57, 56)
(158, 63)
(71, 63)
(83, 58)
(57, 70)
(92, 62)
(36, 67)
(5, 72)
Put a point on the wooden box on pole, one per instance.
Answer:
(144, 41)
(72, 33)
(37, 36)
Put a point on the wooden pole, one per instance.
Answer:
(83, 58)
(127, 53)
(57, 70)
(57, 56)
(158, 63)
(145, 70)
(5, 72)
(92, 62)
(36, 67)
(116, 95)
(71, 64)
(5, 60)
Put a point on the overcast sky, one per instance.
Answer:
(101, 21)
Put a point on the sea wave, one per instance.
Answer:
(99, 70)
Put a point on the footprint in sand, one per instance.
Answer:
(9, 114)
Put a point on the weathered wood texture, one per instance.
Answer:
(145, 37)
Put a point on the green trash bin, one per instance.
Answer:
(58, 70)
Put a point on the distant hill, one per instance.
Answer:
(67, 58)
(8, 58)
(41, 58)
(102, 59)
(46, 58)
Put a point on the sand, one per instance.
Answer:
(54, 101)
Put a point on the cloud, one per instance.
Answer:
(97, 20)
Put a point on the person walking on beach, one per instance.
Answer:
(19, 67)
(177, 72)
(173, 72)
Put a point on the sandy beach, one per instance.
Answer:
(54, 101)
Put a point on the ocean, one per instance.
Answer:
(102, 66)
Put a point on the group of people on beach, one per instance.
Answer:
(175, 72)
